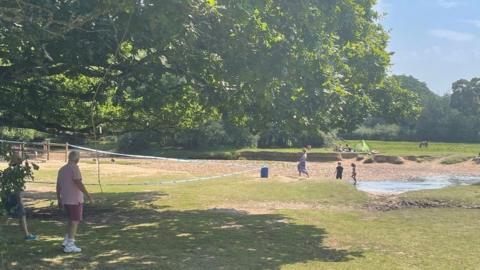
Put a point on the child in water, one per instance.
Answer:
(339, 171)
(354, 174)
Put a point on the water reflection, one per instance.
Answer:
(418, 183)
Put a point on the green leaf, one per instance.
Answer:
(212, 2)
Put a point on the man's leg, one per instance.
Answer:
(72, 230)
(74, 213)
(23, 225)
(22, 218)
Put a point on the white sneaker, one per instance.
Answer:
(65, 240)
(71, 248)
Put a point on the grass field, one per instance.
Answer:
(244, 222)
(435, 149)
(456, 151)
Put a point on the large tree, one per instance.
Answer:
(137, 64)
(465, 96)
(416, 86)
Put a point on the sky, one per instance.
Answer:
(436, 41)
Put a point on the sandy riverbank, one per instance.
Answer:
(377, 171)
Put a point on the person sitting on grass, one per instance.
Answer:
(13, 204)
(347, 148)
(70, 191)
(302, 164)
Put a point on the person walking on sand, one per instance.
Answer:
(70, 192)
(339, 171)
(302, 164)
(354, 174)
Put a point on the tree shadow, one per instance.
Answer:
(126, 232)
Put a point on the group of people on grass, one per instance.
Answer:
(70, 192)
(345, 149)
(302, 167)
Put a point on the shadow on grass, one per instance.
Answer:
(135, 231)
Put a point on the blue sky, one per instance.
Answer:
(436, 41)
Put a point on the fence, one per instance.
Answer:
(40, 151)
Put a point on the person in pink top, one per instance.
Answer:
(70, 192)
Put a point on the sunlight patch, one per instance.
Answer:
(143, 225)
(110, 253)
(57, 260)
(100, 227)
(184, 235)
(122, 259)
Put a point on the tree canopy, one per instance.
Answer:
(171, 65)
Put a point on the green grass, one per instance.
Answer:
(395, 148)
(455, 159)
(411, 148)
(247, 223)
(468, 195)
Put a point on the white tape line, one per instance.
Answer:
(128, 155)
(153, 157)
(156, 183)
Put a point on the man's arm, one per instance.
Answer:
(82, 188)
(58, 196)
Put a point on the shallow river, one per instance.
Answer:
(419, 183)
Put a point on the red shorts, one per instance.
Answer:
(74, 211)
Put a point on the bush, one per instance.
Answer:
(134, 142)
(241, 137)
(380, 132)
(213, 134)
(281, 138)
(21, 134)
(186, 138)
(275, 137)
(455, 159)
(216, 134)
(316, 138)
(14, 177)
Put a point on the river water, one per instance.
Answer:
(418, 183)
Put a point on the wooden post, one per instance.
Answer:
(48, 149)
(66, 152)
(22, 151)
(44, 148)
(98, 171)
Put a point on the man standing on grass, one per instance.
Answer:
(70, 191)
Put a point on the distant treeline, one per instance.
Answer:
(454, 117)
